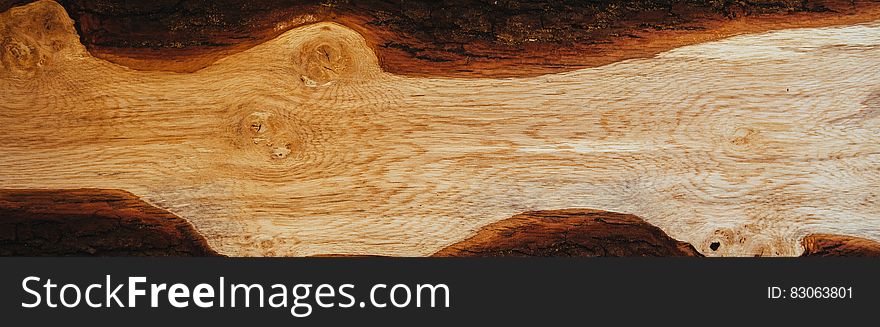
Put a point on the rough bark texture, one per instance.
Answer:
(830, 245)
(92, 222)
(570, 233)
(440, 38)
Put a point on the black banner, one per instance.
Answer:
(495, 292)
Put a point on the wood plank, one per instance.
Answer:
(303, 145)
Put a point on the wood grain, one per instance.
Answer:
(303, 145)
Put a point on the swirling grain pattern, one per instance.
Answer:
(303, 145)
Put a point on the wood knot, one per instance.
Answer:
(744, 240)
(743, 136)
(34, 35)
(267, 134)
(329, 53)
(719, 242)
(19, 56)
(322, 63)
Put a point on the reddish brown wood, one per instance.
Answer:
(92, 222)
(453, 38)
(570, 233)
(831, 245)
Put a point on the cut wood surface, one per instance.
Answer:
(302, 145)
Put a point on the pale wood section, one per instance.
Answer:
(303, 146)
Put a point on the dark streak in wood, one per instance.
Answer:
(92, 222)
(454, 38)
(830, 245)
(570, 233)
